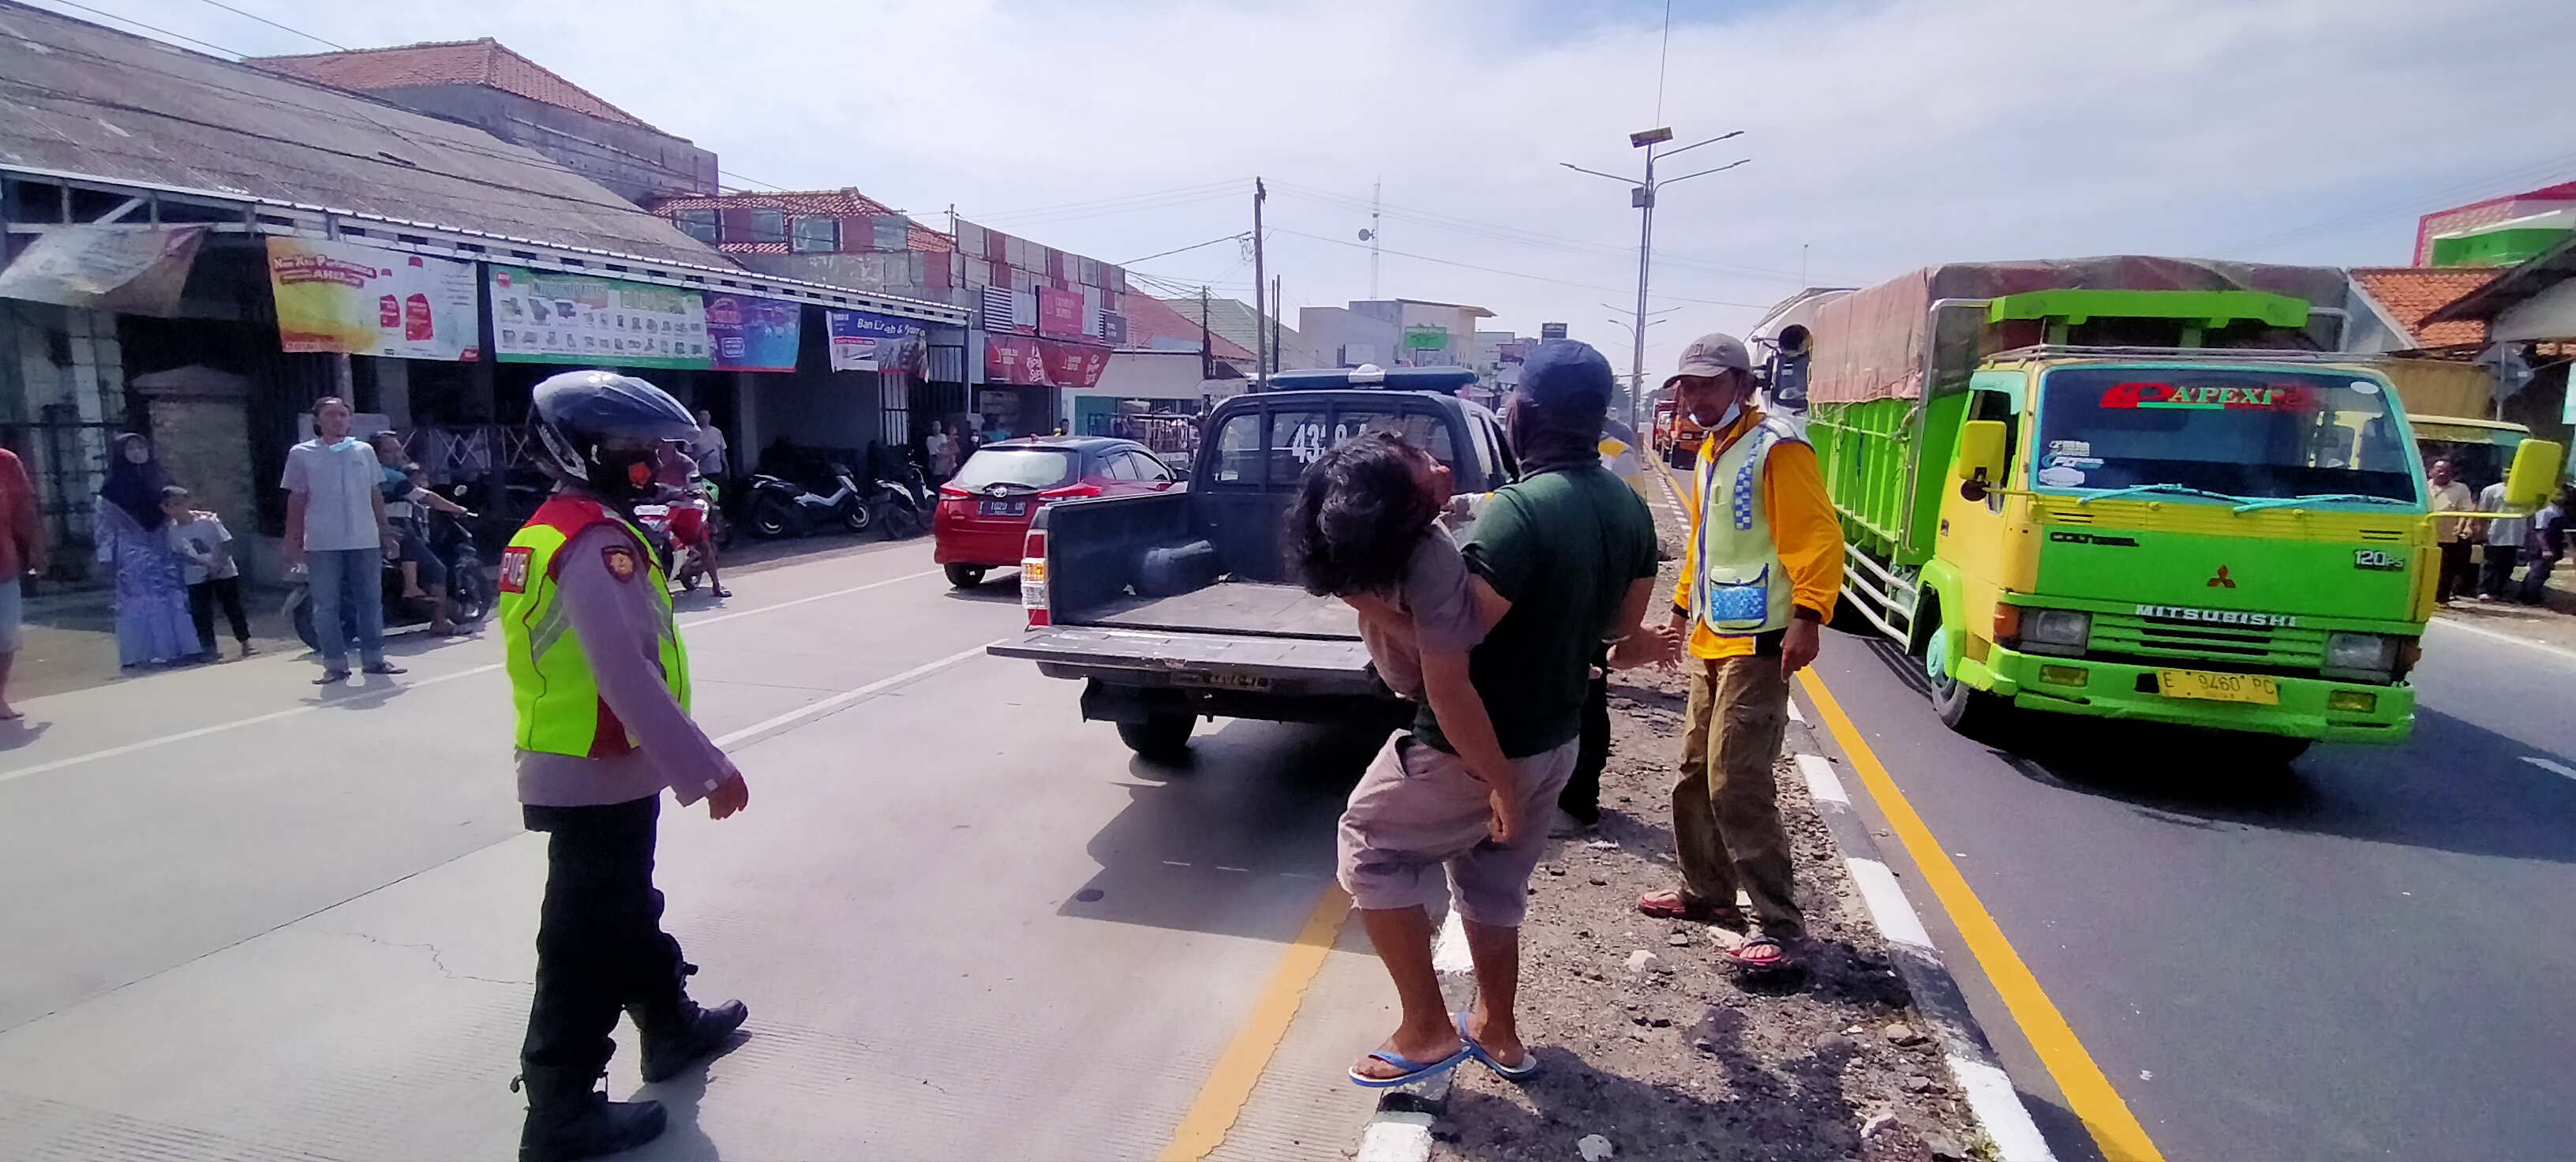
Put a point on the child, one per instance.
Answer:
(206, 562)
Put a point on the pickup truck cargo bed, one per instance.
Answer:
(1245, 607)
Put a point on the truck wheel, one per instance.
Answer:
(1962, 707)
(1163, 736)
(965, 576)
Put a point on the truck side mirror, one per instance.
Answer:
(1981, 453)
(2534, 477)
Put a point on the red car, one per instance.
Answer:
(985, 510)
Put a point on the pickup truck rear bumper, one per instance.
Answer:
(2117, 690)
(1136, 674)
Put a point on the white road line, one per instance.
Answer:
(310, 707)
(1990, 1093)
(847, 697)
(1450, 953)
(1887, 904)
(2550, 765)
(1795, 715)
(1395, 1137)
(1822, 783)
(2482, 631)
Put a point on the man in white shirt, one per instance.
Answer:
(2504, 537)
(710, 448)
(336, 530)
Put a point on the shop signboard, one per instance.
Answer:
(546, 317)
(1059, 312)
(868, 341)
(1426, 338)
(363, 300)
(745, 333)
(131, 270)
(1042, 363)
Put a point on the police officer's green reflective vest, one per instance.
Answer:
(560, 710)
(1741, 588)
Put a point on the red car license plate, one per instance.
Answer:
(1004, 508)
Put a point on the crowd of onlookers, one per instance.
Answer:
(2479, 554)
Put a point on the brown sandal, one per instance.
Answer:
(1676, 906)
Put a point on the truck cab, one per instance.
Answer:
(1175, 607)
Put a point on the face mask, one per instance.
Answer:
(1725, 421)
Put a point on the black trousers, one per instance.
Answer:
(1581, 797)
(600, 944)
(202, 597)
(2495, 571)
(2459, 574)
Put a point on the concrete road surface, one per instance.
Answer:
(248, 918)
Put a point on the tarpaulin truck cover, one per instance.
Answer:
(1870, 345)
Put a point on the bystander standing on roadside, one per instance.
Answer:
(2504, 537)
(1562, 560)
(710, 450)
(205, 550)
(336, 530)
(2544, 546)
(1759, 576)
(151, 594)
(2450, 533)
(941, 449)
(22, 555)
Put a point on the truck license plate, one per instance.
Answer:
(1221, 681)
(2255, 688)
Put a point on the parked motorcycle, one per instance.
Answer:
(469, 590)
(680, 530)
(783, 508)
(901, 499)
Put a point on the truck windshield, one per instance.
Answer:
(2255, 433)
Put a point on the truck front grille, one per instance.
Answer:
(2226, 646)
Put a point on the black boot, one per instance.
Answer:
(569, 1118)
(679, 1033)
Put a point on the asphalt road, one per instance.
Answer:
(2365, 955)
(245, 918)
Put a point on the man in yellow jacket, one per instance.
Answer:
(1759, 576)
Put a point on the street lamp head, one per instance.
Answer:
(1648, 137)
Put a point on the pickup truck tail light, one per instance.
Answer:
(1033, 580)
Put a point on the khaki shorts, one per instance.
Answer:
(1418, 815)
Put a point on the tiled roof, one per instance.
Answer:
(840, 203)
(1152, 322)
(2412, 292)
(483, 62)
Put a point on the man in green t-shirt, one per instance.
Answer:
(1563, 561)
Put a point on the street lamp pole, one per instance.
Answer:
(1642, 196)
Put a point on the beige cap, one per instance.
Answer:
(1712, 355)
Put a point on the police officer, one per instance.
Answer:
(602, 688)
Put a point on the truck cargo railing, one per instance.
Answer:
(1880, 586)
(2245, 354)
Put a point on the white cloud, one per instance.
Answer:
(1884, 135)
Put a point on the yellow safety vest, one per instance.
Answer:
(560, 710)
(1741, 588)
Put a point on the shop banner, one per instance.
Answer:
(1042, 363)
(545, 317)
(128, 269)
(360, 300)
(1059, 313)
(868, 341)
(752, 334)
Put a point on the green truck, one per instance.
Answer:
(2135, 488)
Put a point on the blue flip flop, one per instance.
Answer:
(1413, 1070)
(1516, 1075)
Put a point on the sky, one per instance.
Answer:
(1879, 135)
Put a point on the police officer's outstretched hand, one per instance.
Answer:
(729, 796)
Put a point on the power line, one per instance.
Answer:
(273, 24)
(147, 27)
(1184, 249)
(1532, 238)
(1518, 274)
(2416, 204)
(1103, 201)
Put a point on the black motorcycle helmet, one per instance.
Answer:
(614, 434)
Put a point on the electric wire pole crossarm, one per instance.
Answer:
(1641, 194)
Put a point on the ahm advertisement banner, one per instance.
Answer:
(359, 300)
(867, 341)
(544, 317)
(752, 334)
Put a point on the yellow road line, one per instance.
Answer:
(2087, 1091)
(1230, 1084)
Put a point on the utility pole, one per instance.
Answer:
(1641, 195)
(1260, 359)
(1373, 232)
(1207, 345)
(1278, 307)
